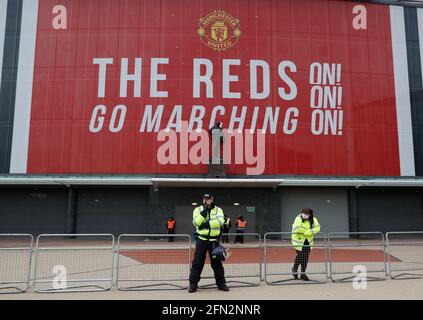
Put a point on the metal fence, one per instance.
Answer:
(15, 262)
(281, 259)
(357, 254)
(405, 254)
(92, 262)
(74, 262)
(243, 265)
(152, 262)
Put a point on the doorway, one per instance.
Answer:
(183, 217)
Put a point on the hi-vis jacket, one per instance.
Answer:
(302, 231)
(215, 219)
(170, 224)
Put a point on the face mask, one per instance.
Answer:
(305, 216)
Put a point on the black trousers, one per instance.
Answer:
(225, 238)
(302, 258)
(239, 237)
(171, 231)
(201, 249)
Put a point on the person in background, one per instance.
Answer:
(237, 219)
(171, 228)
(226, 227)
(304, 228)
(241, 225)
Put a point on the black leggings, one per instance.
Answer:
(302, 258)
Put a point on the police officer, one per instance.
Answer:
(227, 223)
(208, 220)
(304, 228)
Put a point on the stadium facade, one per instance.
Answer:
(103, 103)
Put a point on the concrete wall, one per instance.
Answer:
(143, 210)
(114, 211)
(330, 206)
(389, 210)
(33, 210)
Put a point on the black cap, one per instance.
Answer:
(207, 195)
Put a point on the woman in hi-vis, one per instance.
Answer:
(304, 228)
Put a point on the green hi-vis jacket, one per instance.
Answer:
(302, 231)
(215, 219)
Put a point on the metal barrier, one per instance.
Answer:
(86, 262)
(15, 262)
(244, 261)
(280, 259)
(151, 262)
(74, 262)
(358, 254)
(405, 254)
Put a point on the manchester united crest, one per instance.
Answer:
(219, 30)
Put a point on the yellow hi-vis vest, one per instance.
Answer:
(298, 228)
(215, 219)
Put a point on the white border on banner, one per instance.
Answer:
(402, 92)
(22, 118)
(420, 26)
(3, 13)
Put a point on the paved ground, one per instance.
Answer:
(389, 289)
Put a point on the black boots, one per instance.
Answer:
(304, 277)
(223, 287)
(192, 287)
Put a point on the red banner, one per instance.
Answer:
(299, 74)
